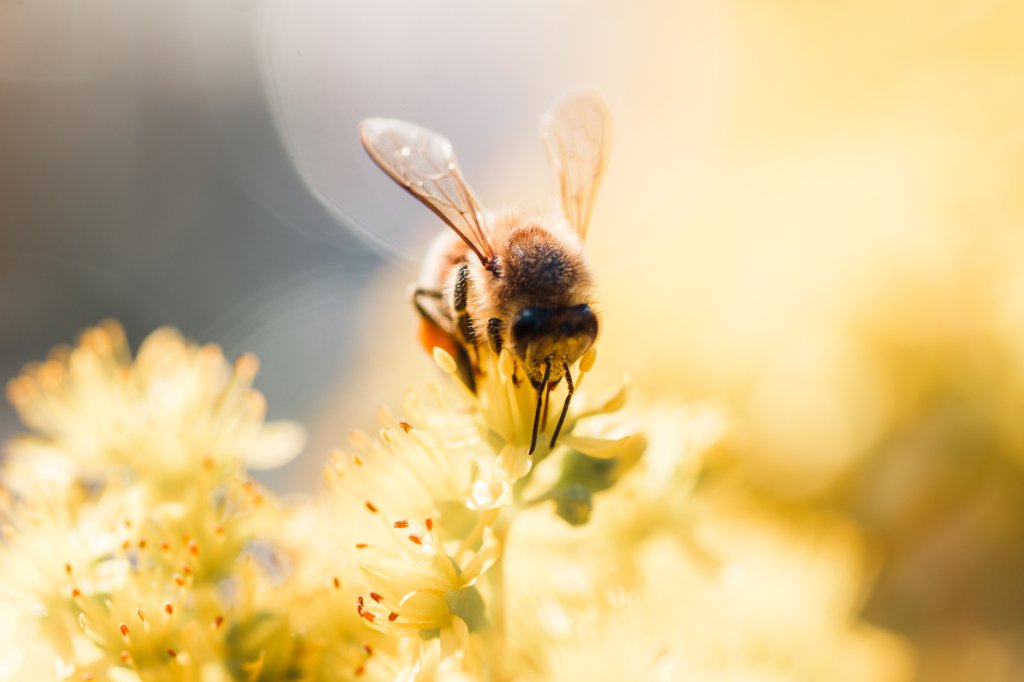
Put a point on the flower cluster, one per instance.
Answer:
(178, 407)
(441, 548)
(127, 512)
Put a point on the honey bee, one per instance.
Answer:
(518, 280)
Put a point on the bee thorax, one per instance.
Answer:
(542, 269)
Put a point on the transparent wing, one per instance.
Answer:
(577, 134)
(422, 162)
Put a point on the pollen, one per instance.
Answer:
(218, 621)
(404, 523)
(336, 582)
(361, 545)
(67, 568)
(430, 524)
(392, 617)
(172, 653)
(406, 426)
(141, 614)
(169, 609)
(416, 539)
(369, 505)
(124, 630)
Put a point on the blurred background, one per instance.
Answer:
(813, 214)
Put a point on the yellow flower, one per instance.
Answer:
(54, 549)
(431, 559)
(428, 503)
(138, 579)
(614, 506)
(657, 493)
(115, 589)
(312, 601)
(420, 503)
(418, 589)
(163, 415)
(506, 404)
(150, 625)
(779, 607)
(435, 465)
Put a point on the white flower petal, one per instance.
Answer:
(514, 462)
(276, 444)
(603, 448)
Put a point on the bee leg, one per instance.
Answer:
(565, 406)
(444, 325)
(430, 315)
(460, 298)
(542, 390)
(463, 324)
(497, 343)
(494, 335)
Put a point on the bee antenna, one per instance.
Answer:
(565, 405)
(541, 390)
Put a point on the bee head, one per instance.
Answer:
(552, 335)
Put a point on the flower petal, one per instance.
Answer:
(514, 462)
(602, 448)
(275, 445)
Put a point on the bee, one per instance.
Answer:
(518, 280)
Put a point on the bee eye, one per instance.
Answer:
(530, 322)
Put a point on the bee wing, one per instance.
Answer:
(577, 133)
(423, 163)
